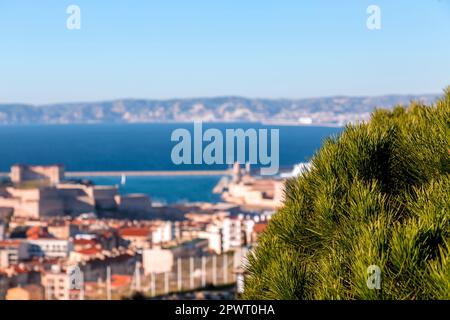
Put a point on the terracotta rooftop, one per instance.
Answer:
(90, 251)
(134, 232)
(259, 227)
(119, 280)
(37, 232)
(10, 243)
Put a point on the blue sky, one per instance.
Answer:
(178, 48)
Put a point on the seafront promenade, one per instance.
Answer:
(146, 173)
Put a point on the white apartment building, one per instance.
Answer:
(224, 235)
(157, 260)
(52, 248)
(232, 234)
(162, 232)
(12, 252)
(229, 233)
(213, 234)
(57, 285)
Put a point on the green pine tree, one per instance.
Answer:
(377, 194)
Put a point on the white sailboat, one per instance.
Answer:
(123, 179)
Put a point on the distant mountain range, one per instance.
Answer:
(336, 110)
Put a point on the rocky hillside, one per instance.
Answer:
(336, 110)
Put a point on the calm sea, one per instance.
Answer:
(116, 147)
